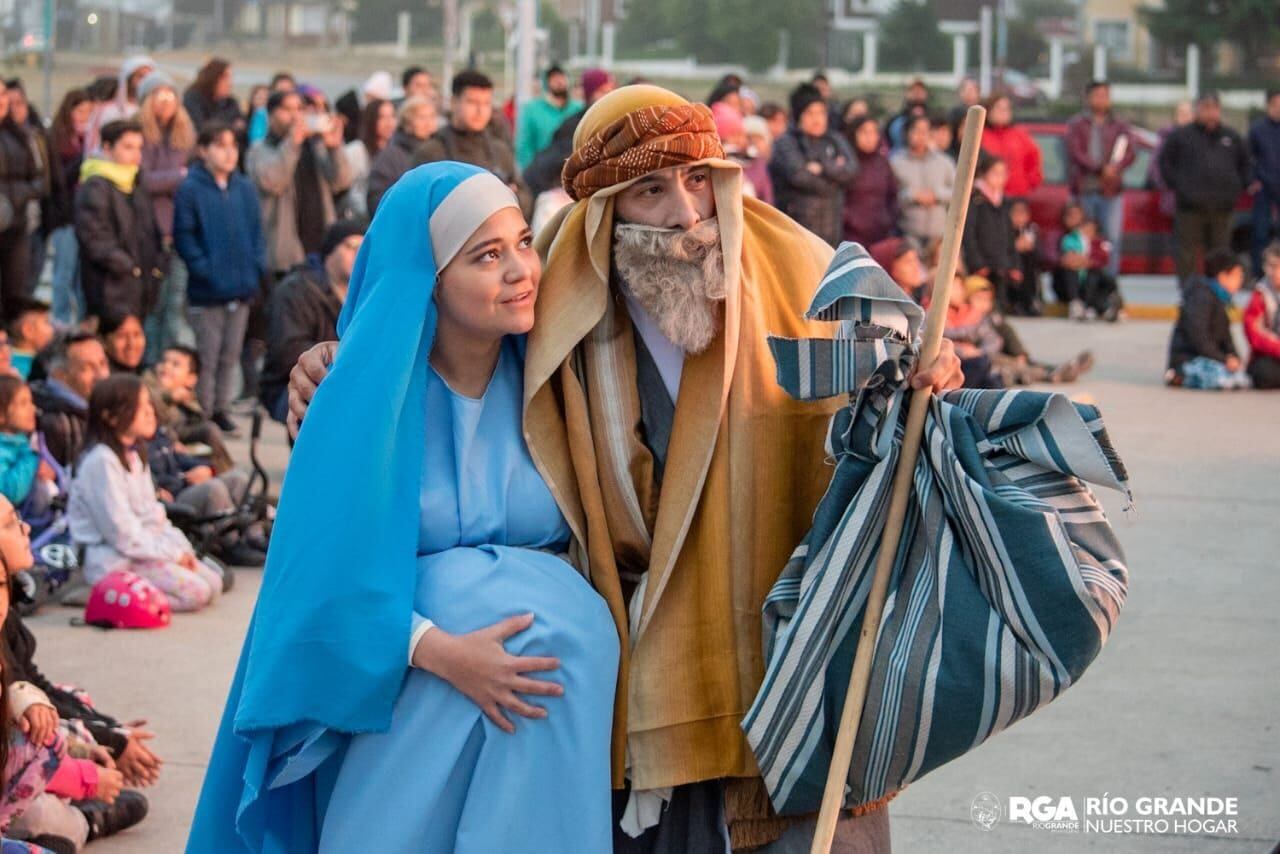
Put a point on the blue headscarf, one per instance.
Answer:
(327, 645)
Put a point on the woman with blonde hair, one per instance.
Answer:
(168, 143)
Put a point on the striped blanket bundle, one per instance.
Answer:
(1007, 582)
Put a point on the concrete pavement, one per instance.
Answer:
(1181, 702)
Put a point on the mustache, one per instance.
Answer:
(691, 245)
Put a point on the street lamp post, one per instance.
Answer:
(50, 34)
(450, 39)
(526, 33)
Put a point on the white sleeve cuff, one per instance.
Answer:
(421, 625)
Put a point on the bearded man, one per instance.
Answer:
(686, 473)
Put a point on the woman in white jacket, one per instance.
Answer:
(113, 510)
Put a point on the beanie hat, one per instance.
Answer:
(975, 284)
(728, 121)
(804, 96)
(755, 126)
(592, 80)
(153, 81)
(886, 251)
(338, 232)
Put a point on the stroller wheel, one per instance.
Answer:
(227, 573)
(30, 589)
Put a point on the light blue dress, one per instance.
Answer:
(445, 778)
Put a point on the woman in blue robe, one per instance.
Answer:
(424, 671)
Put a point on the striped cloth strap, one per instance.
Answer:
(873, 348)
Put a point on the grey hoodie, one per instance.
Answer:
(120, 108)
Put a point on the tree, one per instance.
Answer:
(557, 31)
(1183, 22)
(1252, 26)
(376, 20)
(743, 32)
(1026, 47)
(910, 39)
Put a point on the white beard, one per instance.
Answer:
(677, 276)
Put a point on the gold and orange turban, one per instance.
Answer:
(633, 131)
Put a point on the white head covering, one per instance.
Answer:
(463, 211)
(378, 86)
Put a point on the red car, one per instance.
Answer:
(1147, 243)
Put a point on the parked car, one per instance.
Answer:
(1020, 87)
(1146, 246)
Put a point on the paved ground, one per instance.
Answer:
(1181, 702)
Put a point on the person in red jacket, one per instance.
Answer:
(1012, 144)
(1262, 323)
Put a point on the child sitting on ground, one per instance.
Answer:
(1202, 351)
(975, 344)
(173, 388)
(29, 481)
(114, 511)
(30, 331)
(1088, 289)
(1262, 323)
(207, 483)
(60, 787)
(1001, 342)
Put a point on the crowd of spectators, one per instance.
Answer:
(194, 245)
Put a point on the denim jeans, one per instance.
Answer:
(36, 255)
(1265, 221)
(1109, 213)
(219, 334)
(68, 301)
(167, 324)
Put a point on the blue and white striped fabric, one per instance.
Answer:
(1007, 582)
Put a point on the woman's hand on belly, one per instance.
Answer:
(479, 666)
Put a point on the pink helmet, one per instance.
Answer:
(122, 600)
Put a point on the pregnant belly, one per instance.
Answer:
(465, 589)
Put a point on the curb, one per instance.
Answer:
(1141, 311)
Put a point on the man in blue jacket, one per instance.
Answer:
(1264, 146)
(217, 229)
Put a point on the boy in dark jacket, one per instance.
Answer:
(217, 229)
(122, 254)
(173, 392)
(1202, 353)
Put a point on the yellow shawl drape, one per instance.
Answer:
(745, 470)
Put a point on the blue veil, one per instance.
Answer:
(326, 648)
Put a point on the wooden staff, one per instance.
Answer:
(935, 320)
